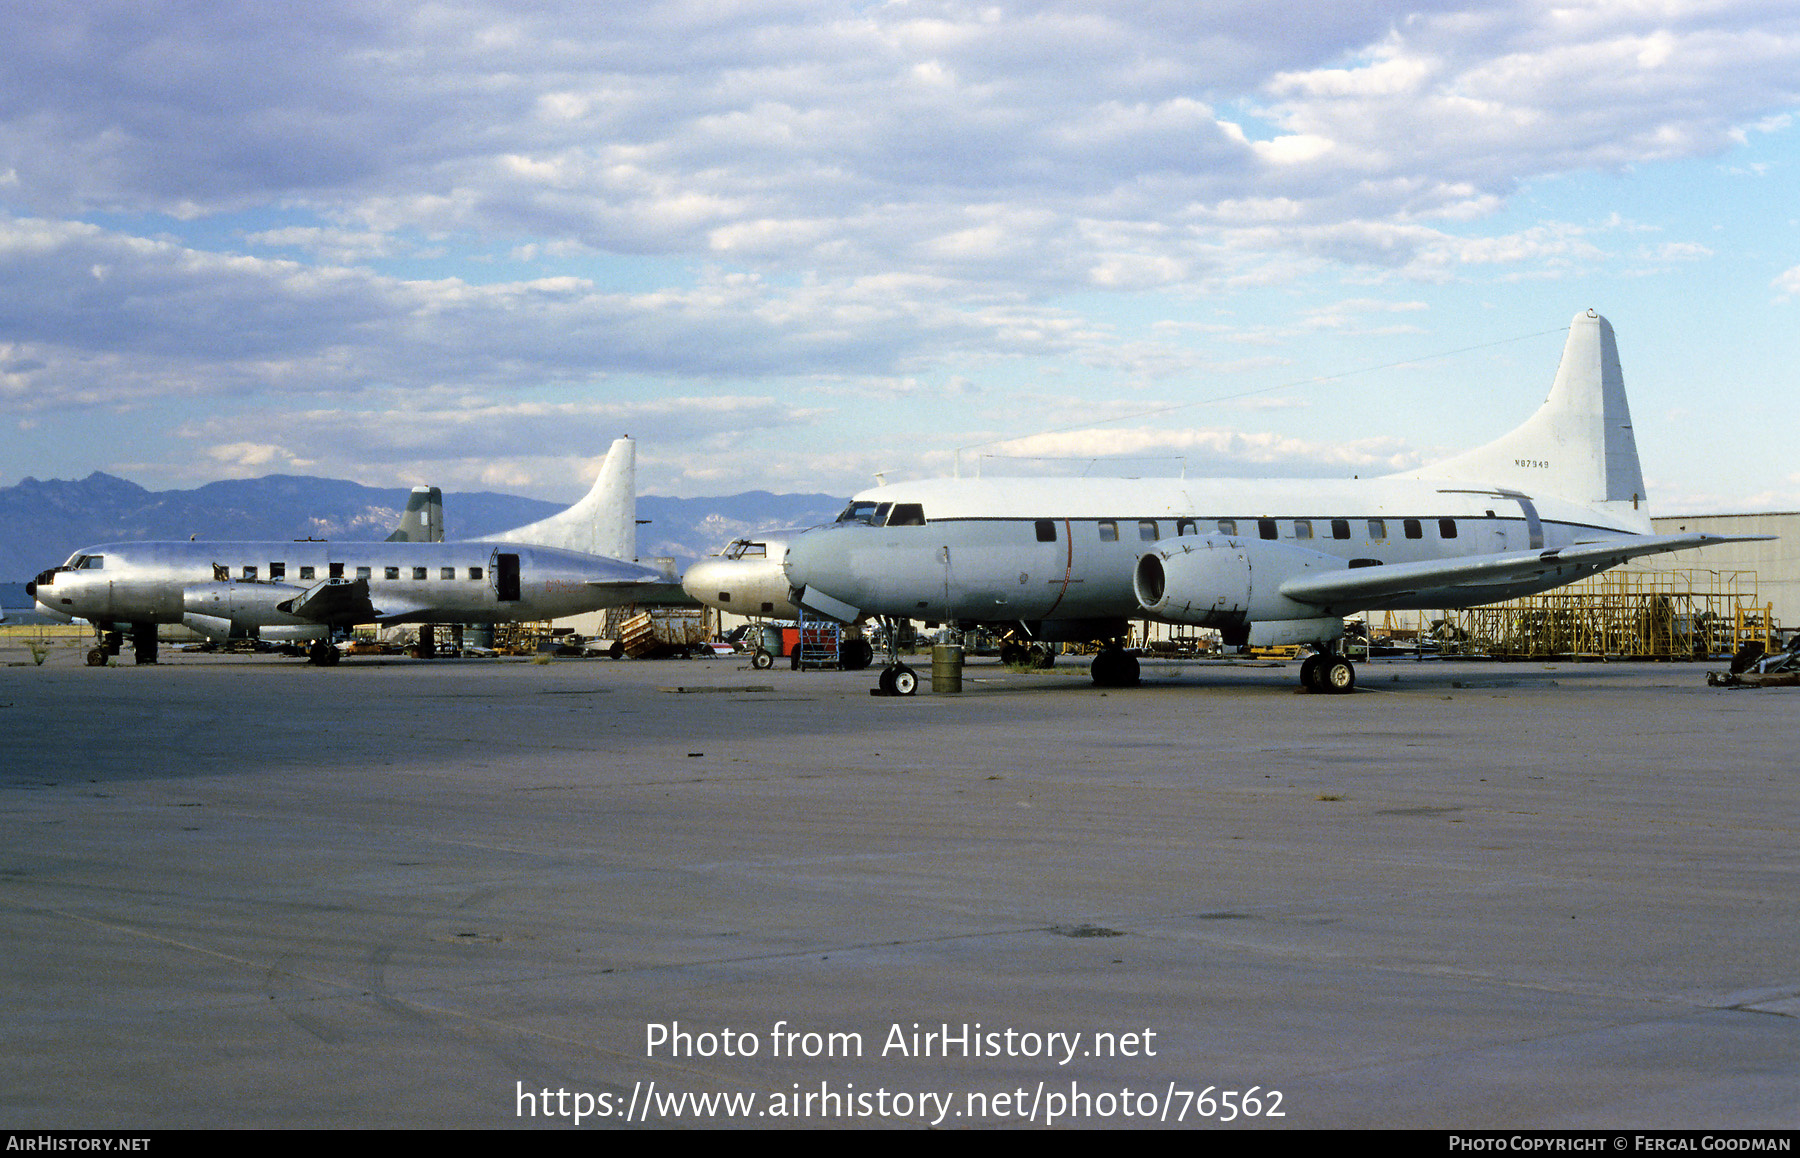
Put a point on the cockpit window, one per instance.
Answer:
(884, 514)
(745, 549)
(858, 513)
(91, 562)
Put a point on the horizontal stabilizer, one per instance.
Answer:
(1354, 588)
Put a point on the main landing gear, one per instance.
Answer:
(1037, 655)
(1114, 667)
(1328, 672)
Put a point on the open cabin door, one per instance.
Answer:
(504, 567)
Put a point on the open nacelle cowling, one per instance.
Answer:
(224, 610)
(1229, 583)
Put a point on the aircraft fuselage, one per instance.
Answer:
(269, 584)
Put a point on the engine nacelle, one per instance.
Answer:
(1225, 582)
(229, 609)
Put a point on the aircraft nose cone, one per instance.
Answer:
(821, 560)
(803, 559)
(701, 580)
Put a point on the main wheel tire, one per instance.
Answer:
(856, 655)
(1115, 667)
(761, 660)
(1041, 657)
(96, 657)
(1011, 654)
(1337, 675)
(884, 683)
(905, 681)
(1309, 673)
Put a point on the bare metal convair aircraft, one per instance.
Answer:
(1264, 561)
(575, 561)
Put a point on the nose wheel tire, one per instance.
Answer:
(762, 660)
(898, 680)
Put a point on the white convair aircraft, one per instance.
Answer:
(575, 561)
(1264, 561)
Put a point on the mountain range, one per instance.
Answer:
(43, 522)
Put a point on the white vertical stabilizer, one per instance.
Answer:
(1579, 445)
(604, 522)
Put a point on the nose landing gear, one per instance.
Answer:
(896, 678)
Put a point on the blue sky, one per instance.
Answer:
(787, 246)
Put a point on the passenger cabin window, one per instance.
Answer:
(1109, 531)
(1046, 530)
(446, 572)
(418, 572)
(1413, 530)
(390, 572)
(1302, 528)
(361, 572)
(907, 515)
(249, 572)
(1447, 528)
(474, 572)
(1266, 528)
(1340, 528)
(1227, 526)
(1378, 529)
(1185, 527)
(306, 573)
(278, 570)
(337, 571)
(1147, 530)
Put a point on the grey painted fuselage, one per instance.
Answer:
(1066, 549)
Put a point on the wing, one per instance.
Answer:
(1485, 578)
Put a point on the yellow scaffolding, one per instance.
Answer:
(1675, 614)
